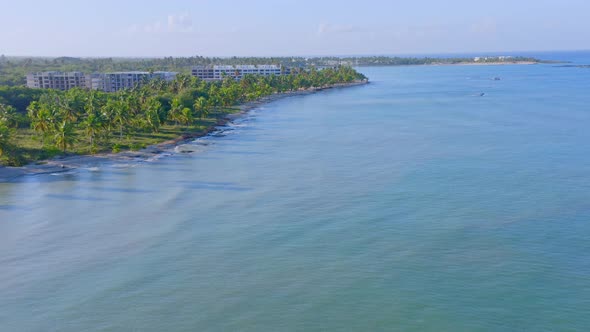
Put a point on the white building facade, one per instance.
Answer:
(219, 72)
(107, 82)
(57, 80)
(111, 82)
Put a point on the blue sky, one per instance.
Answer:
(289, 27)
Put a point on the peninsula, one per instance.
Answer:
(39, 124)
(97, 105)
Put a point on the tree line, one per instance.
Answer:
(14, 69)
(94, 119)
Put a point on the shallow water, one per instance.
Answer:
(408, 204)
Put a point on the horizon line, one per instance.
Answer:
(409, 54)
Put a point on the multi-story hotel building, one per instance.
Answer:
(57, 80)
(107, 82)
(111, 82)
(218, 72)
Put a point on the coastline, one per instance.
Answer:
(67, 163)
(503, 63)
(499, 63)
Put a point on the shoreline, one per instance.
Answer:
(504, 63)
(514, 63)
(67, 163)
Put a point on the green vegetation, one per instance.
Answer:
(404, 61)
(87, 121)
(14, 69)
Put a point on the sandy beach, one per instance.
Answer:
(68, 163)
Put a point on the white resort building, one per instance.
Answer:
(111, 82)
(107, 82)
(57, 80)
(218, 72)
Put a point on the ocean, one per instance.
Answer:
(435, 198)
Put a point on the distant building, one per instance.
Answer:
(111, 82)
(218, 72)
(57, 80)
(107, 82)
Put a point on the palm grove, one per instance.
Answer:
(89, 121)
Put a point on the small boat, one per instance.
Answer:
(482, 94)
(497, 78)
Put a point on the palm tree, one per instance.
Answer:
(187, 116)
(133, 103)
(41, 119)
(8, 115)
(65, 135)
(121, 114)
(157, 84)
(4, 138)
(143, 94)
(175, 113)
(92, 125)
(152, 113)
(201, 106)
(72, 104)
(214, 96)
(91, 103)
(183, 81)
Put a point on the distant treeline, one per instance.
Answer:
(14, 69)
(405, 61)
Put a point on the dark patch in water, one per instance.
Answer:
(246, 153)
(206, 185)
(76, 198)
(572, 66)
(174, 170)
(9, 207)
(123, 190)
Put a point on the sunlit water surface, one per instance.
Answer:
(409, 204)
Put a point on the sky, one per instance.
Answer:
(155, 28)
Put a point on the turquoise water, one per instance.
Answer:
(409, 204)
